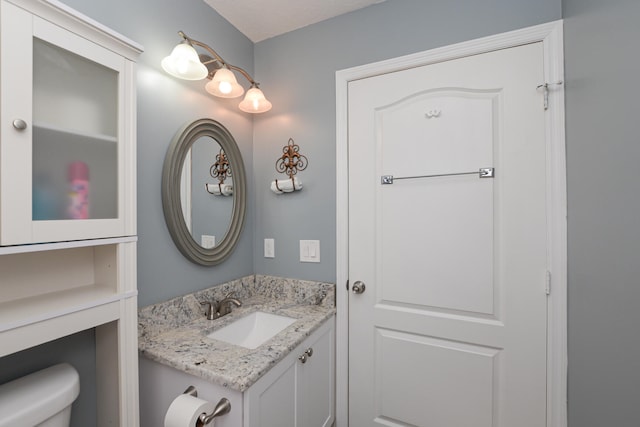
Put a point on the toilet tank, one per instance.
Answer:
(41, 398)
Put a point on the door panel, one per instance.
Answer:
(459, 229)
(451, 330)
(466, 373)
(422, 135)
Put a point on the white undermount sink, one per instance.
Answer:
(252, 330)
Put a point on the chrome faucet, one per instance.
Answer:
(216, 310)
(210, 312)
(224, 306)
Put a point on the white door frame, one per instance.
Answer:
(550, 35)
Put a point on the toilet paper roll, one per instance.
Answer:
(185, 410)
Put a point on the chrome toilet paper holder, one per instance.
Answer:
(223, 407)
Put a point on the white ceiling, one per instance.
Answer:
(263, 19)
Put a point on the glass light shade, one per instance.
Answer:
(224, 84)
(255, 102)
(184, 63)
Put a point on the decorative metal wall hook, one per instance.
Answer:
(220, 170)
(291, 161)
(545, 90)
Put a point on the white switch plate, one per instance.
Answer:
(207, 241)
(269, 248)
(309, 250)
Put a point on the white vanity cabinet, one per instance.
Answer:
(67, 128)
(297, 393)
(290, 394)
(67, 131)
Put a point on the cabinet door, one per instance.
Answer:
(63, 138)
(271, 401)
(297, 394)
(316, 389)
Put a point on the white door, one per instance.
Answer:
(450, 330)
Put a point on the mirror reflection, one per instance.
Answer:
(185, 198)
(206, 179)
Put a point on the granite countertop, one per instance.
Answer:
(174, 333)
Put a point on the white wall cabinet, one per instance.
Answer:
(67, 156)
(296, 393)
(67, 119)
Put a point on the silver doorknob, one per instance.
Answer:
(19, 124)
(358, 287)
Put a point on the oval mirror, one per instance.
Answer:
(204, 226)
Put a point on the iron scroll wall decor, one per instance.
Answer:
(290, 163)
(220, 170)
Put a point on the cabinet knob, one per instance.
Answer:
(309, 352)
(19, 124)
(303, 357)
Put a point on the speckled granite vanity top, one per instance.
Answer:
(174, 333)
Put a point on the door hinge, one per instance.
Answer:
(347, 285)
(547, 283)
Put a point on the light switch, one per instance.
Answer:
(309, 250)
(269, 248)
(207, 241)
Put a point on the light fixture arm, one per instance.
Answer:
(218, 58)
(245, 74)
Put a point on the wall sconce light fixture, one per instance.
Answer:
(221, 170)
(185, 63)
(289, 163)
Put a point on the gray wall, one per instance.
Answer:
(79, 351)
(602, 72)
(164, 105)
(297, 72)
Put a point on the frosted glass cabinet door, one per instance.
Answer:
(63, 141)
(75, 136)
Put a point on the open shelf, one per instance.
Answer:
(52, 290)
(31, 310)
(50, 328)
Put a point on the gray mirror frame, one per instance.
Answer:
(171, 172)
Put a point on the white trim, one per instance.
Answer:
(551, 36)
(82, 25)
(557, 232)
(39, 247)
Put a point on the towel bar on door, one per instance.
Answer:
(482, 173)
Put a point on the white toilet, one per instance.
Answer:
(40, 399)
